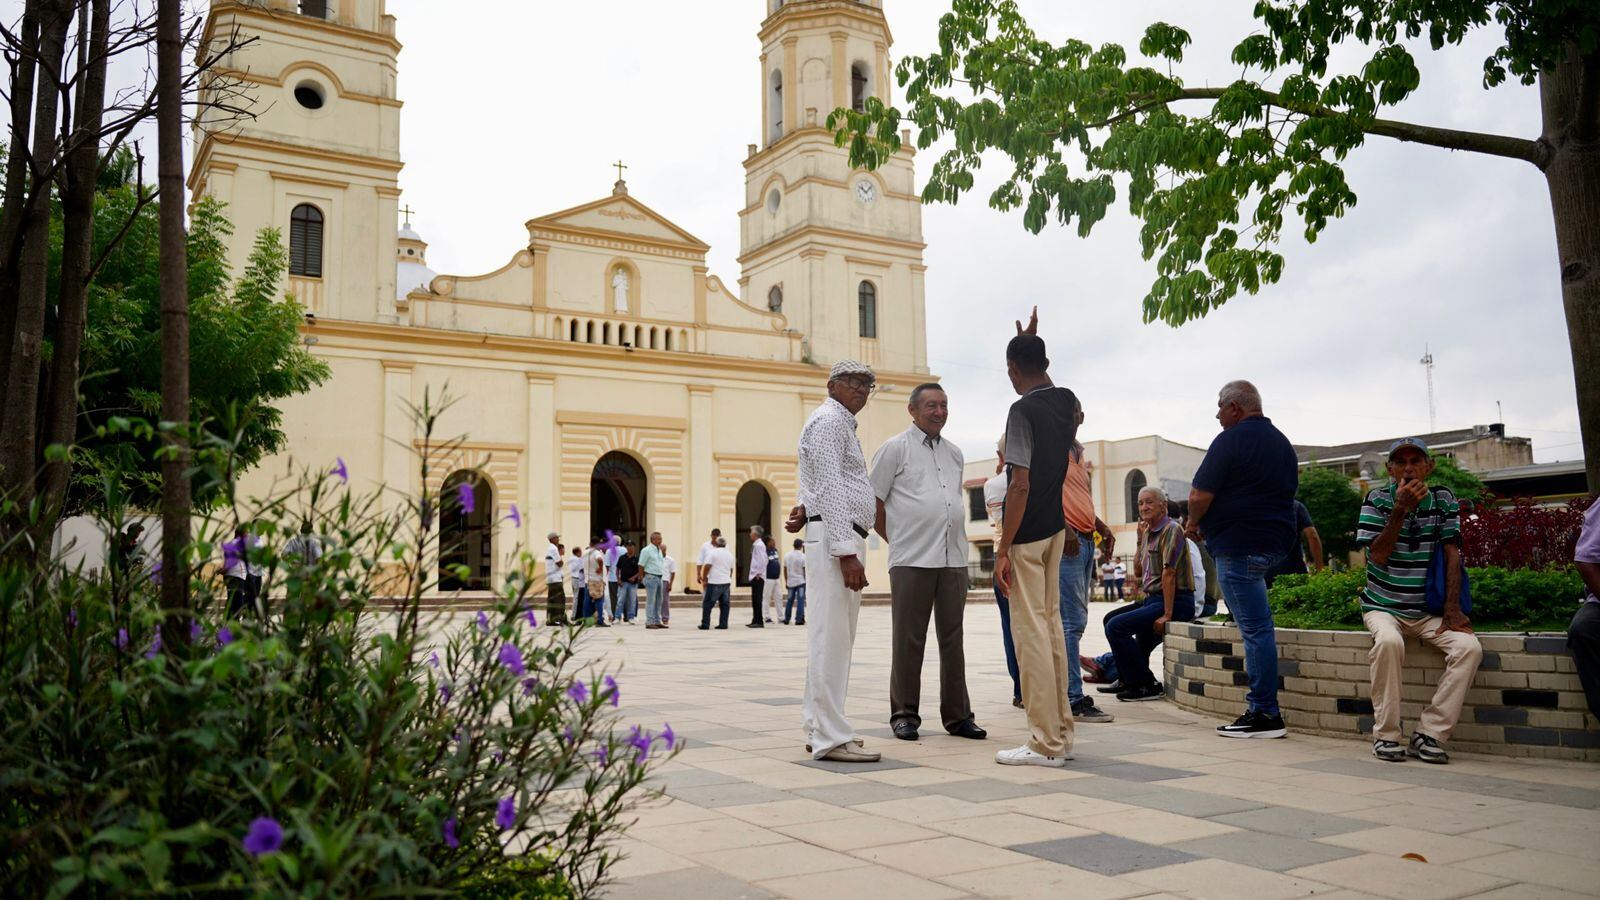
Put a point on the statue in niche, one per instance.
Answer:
(619, 290)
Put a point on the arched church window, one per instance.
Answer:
(668, 340)
(1136, 482)
(305, 241)
(775, 299)
(858, 86)
(775, 106)
(867, 308)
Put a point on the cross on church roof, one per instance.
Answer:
(620, 167)
(407, 210)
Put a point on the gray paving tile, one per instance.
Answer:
(1104, 788)
(780, 701)
(853, 794)
(982, 790)
(1189, 803)
(1442, 778)
(739, 793)
(715, 735)
(699, 882)
(1106, 854)
(1264, 851)
(1127, 771)
(845, 768)
(1300, 823)
(685, 778)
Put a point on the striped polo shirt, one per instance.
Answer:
(1398, 586)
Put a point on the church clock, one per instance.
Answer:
(866, 191)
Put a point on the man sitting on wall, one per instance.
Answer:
(1402, 525)
(1164, 571)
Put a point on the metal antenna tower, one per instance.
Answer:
(1427, 363)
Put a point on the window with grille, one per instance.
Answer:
(977, 509)
(305, 241)
(867, 307)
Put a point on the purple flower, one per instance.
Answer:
(514, 516)
(566, 734)
(72, 617)
(151, 651)
(340, 470)
(265, 836)
(579, 692)
(224, 636)
(612, 689)
(444, 692)
(433, 659)
(467, 496)
(601, 755)
(505, 815)
(498, 757)
(483, 621)
(155, 573)
(450, 839)
(641, 742)
(195, 631)
(122, 639)
(533, 620)
(667, 737)
(528, 684)
(511, 658)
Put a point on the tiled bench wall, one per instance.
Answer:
(1525, 700)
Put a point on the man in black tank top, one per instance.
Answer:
(1040, 431)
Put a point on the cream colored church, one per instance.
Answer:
(604, 377)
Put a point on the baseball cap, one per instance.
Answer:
(1407, 442)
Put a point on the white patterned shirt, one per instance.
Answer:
(833, 477)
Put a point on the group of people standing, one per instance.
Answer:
(607, 579)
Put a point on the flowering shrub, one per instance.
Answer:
(1522, 535)
(346, 744)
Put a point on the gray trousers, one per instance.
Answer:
(914, 594)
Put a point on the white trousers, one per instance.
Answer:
(831, 613)
(774, 609)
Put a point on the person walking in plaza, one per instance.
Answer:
(836, 508)
(608, 603)
(994, 501)
(1119, 577)
(670, 574)
(594, 579)
(757, 575)
(916, 478)
(718, 582)
(1242, 503)
(1166, 576)
(794, 577)
(555, 572)
(580, 588)
(1108, 581)
(700, 561)
(774, 583)
(1041, 428)
(1583, 635)
(653, 565)
(1077, 575)
(236, 574)
(629, 577)
(1404, 525)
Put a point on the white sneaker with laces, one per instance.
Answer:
(1027, 756)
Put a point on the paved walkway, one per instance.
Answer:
(1154, 805)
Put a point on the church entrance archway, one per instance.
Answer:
(618, 492)
(753, 506)
(465, 535)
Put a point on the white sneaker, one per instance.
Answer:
(1026, 756)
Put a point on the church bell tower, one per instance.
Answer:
(837, 250)
(318, 155)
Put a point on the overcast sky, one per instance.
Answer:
(517, 109)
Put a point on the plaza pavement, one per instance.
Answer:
(1154, 805)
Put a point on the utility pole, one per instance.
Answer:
(1427, 363)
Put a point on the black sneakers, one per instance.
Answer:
(1427, 749)
(1151, 691)
(1254, 724)
(1085, 711)
(1112, 688)
(1388, 751)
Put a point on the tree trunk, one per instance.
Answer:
(77, 245)
(175, 499)
(22, 75)
(21, 410)
(1571, 120)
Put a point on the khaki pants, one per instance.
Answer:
(1041, 653)
(1462, 653)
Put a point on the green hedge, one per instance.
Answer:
(1502, 599)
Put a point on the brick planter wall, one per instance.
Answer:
(1525, 700)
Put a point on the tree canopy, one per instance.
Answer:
(1335, 507)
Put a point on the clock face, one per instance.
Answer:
(866, 191)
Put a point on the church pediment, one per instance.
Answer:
(619, 215)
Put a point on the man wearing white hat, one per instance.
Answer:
(836, 509)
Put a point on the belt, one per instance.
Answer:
(858, 529)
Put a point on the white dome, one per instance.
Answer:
(411, 270)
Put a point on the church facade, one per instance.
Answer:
(602, 378)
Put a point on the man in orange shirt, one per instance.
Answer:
(1078, 570)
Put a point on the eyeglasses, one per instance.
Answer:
(861, 384)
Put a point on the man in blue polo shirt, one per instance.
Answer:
(1243, 502)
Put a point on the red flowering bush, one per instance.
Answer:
(1522, 535)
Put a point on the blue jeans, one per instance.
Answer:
(627, 599)
(1077, 579)
(654, 591)
(580, 601)
(796, 597)
(1004, 603)
(715, 595)
(1132, 636)
(1244, 586)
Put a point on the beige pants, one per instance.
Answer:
(1041, 653)
(1462, 653)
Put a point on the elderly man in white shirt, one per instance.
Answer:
(555, 569)
(836, 507)
(916, 478)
